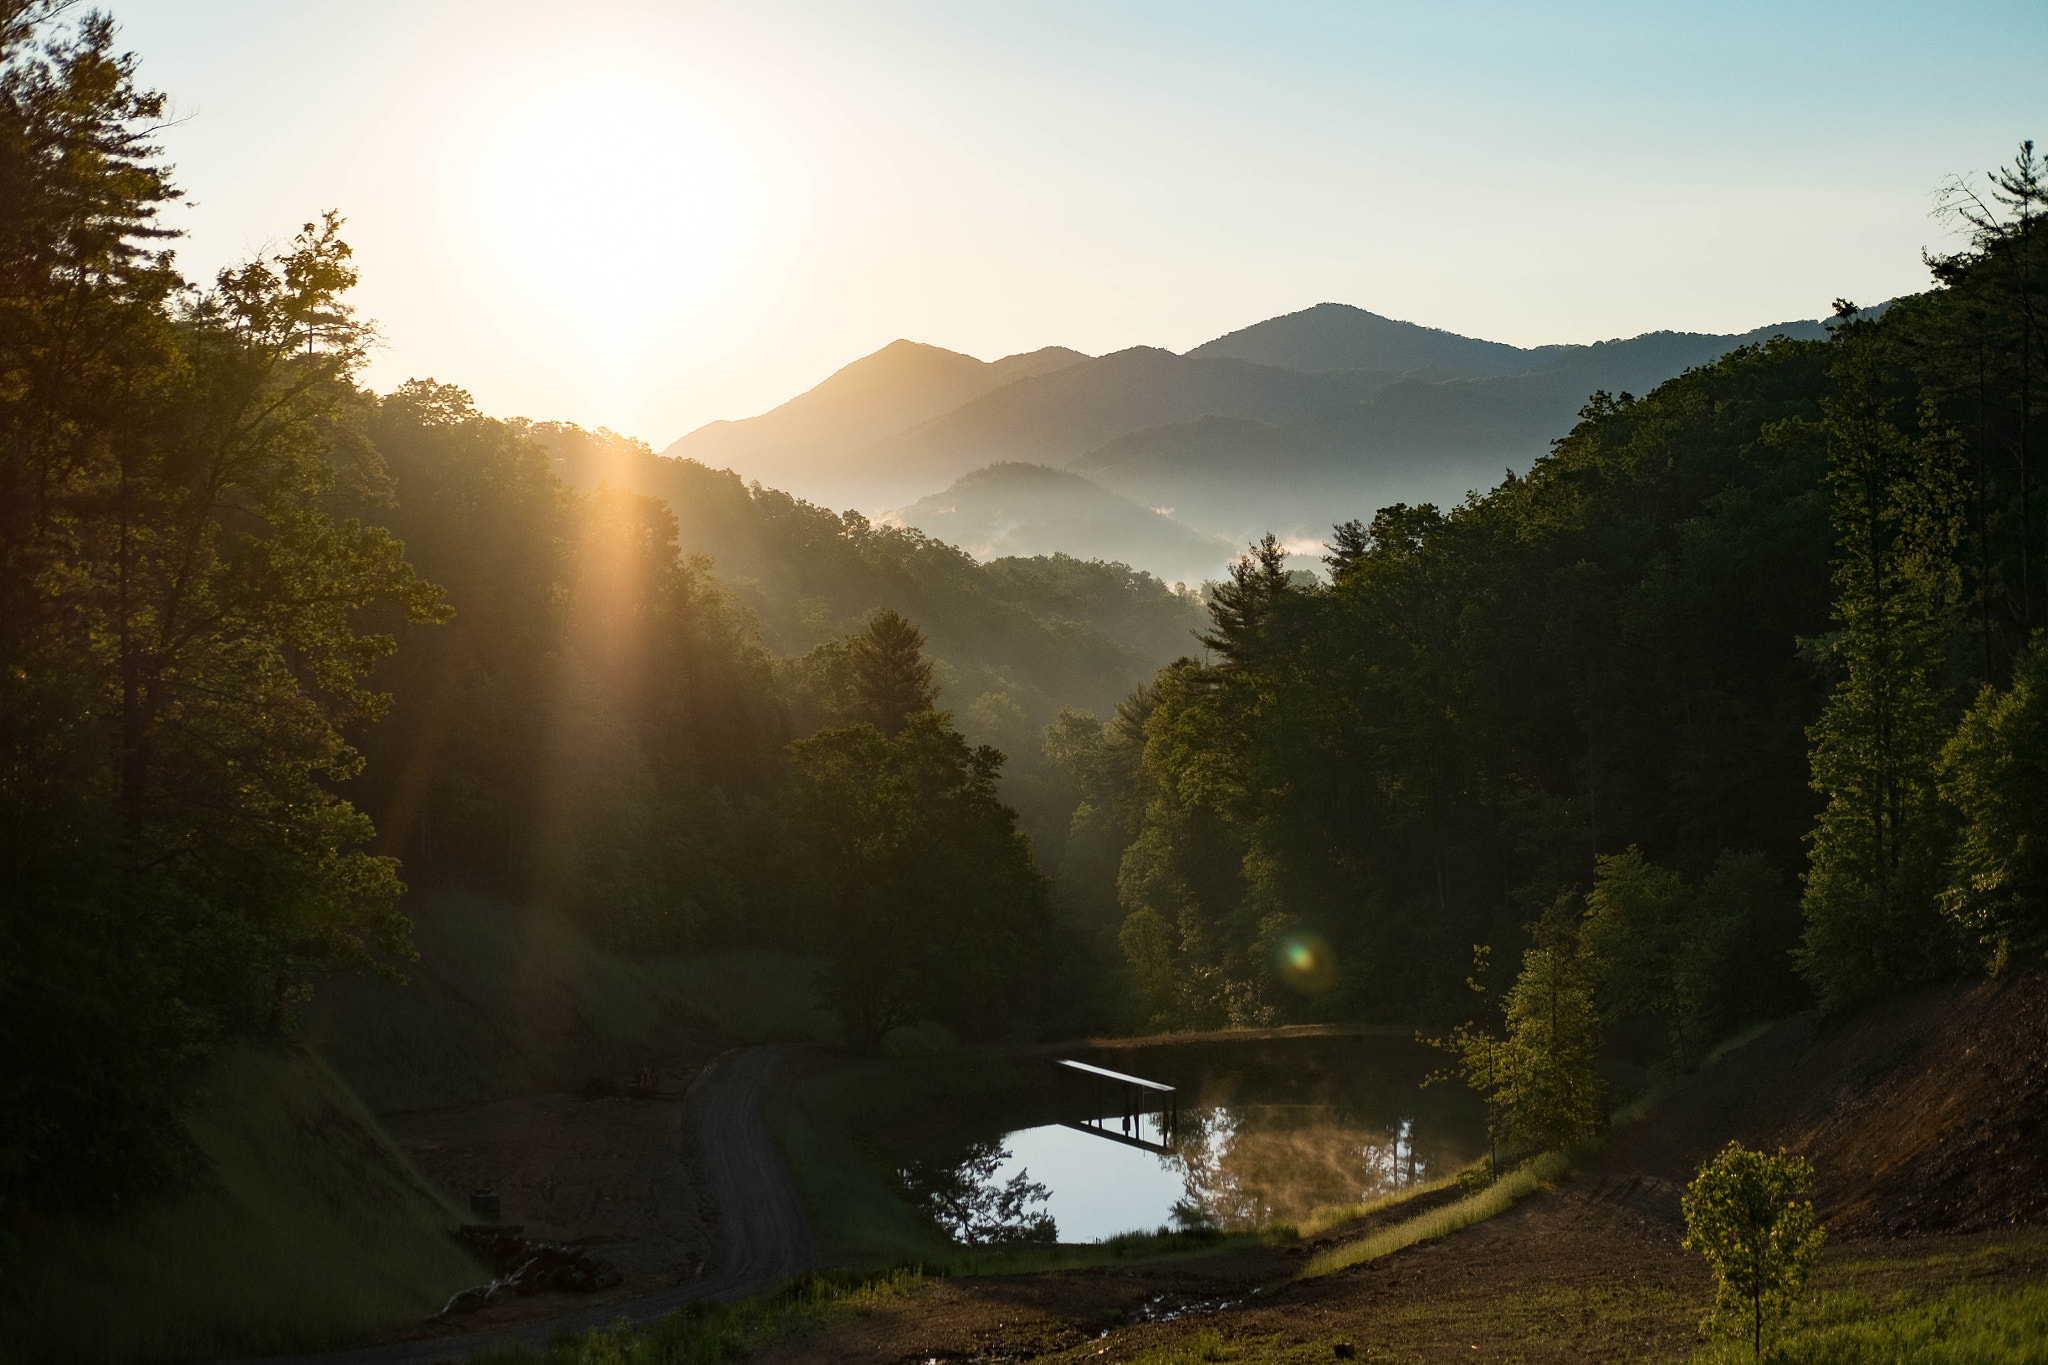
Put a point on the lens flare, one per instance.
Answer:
(1306, 962)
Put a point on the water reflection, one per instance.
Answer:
(1266, 1134)
(977, 1202)
(1245, 1167)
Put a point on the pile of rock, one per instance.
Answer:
(525, 1268)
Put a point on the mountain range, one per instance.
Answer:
(1158, 458)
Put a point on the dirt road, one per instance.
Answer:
(762, 1237)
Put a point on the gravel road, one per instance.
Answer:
(762, 1236)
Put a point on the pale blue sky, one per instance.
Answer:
(993, 178)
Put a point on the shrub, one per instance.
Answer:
(1743, 1213)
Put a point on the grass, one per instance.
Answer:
(311, 1230)
(514, 999)
(1496, 1198)
(1965, 1327)
(1322, 1220)
(1207, 1346)
(704, 1334)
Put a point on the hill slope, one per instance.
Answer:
(897, 387)
(1045, 632)
(1053, 418)
(1030, 509)
(311, 1230)
(1411, 441)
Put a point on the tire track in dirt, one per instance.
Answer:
(762, 1237)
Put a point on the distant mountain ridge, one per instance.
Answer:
(1055, 417)
(1410, 441)
(1288, 424)
(879, 395)
(1338, 336)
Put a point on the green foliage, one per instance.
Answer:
(598, 726)
(1550, 1094)
(1537, 1075)
(181, 640)
(1637, 916)
(1416, 756)
(1965, 1327)
(708, 1333)
(928, 901)
(1707, 960)
(1743, 1213)
(1491, 1198)
(1878, 849)
(1994, 771)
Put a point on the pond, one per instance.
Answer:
(1268, 1131)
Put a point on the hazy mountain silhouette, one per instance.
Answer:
(879, 395)
(1056, 417)
(1031, 509)
(1337, 336)
(1411, 441)
(1288, 424)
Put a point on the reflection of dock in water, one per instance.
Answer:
(1134, 1099)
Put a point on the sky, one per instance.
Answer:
(648, 215)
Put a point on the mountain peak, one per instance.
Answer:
(1341, 336)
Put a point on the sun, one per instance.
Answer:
(617, 202)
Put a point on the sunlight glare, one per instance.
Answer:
(619, 203)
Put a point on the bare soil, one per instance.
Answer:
(608, 1173)
(1922, 1116)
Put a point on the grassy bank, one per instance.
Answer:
(1496, 1198)
(705, 1334)
(512, 999)
(310, 1230)
(1968, 1327)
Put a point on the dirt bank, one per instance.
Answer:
(1922, 1116)
(758, 1236)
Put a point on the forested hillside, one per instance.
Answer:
(1772, 626)
(267, 637)
(1005, 510)
(1735, 702)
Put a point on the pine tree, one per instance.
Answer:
(892, 680)
(1241, 608)
(1877, 853)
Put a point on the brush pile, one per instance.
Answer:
(523, 1268)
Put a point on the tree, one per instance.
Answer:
(1549, 1091)
(1482, 1063)
(892, 680)
(1984, 349)
(1877, 852)
(1995, 772)
(1349, 542)
(929, 904)
(1743, 1213)
(1735, 963)
(1637, 916)
(1537, 1075)
(184, 639)
(1241, 607)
